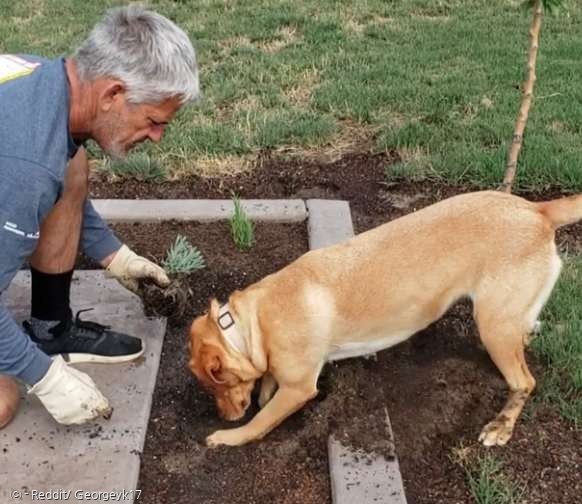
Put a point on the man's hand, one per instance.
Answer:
(69, 395)
(127, 267)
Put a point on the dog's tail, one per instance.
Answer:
(562, 211)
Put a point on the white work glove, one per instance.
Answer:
(127, 267)
(69, 395)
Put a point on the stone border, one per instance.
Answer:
(356, 476)
(365, 478)
(360, 477)
(329, 222)
(118, 210)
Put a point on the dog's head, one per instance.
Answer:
(229, 378)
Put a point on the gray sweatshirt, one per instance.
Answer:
(35, 147)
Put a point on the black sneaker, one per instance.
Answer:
(83, 341)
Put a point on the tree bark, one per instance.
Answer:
(528, 87)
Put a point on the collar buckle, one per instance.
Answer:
(225, 324)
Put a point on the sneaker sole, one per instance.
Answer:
(78, 358)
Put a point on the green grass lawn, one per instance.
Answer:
(437, 80)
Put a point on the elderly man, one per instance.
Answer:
(122, 87)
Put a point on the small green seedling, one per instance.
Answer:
(489, 485)
(183, 258)
(241, 227)
(486, 479)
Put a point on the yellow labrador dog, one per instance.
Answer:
(376, 290)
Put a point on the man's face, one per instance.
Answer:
(122, 125)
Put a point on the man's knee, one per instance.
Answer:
(9, 400)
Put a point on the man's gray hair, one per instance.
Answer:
(146, 51)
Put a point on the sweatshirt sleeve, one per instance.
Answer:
(97, 240)
(26, 196)
(19, 356)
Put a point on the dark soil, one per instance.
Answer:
(440, 387)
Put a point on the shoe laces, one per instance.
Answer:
(87, 324)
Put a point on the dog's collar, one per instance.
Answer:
(228, 327)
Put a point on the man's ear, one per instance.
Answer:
(111, 93)
(212, 367)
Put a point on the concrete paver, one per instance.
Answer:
(117, 210)
(39, 455)
(363, 478)
(366, 478)
(356, 476)
(329, 222)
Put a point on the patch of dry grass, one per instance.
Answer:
(356, 25)
(211, 167)
(286, 35)
(230, 43)
(352, 137)
(302, 91)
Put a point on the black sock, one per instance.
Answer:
(51, 295)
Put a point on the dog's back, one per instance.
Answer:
(391, 281)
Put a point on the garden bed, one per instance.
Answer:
(440, 387)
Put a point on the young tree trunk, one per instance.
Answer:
(515, 147)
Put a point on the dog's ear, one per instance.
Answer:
(212, 367)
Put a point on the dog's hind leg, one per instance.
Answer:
(505, 317)
(504, 342)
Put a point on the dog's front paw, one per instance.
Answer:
(496, 433)
(224, 437)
